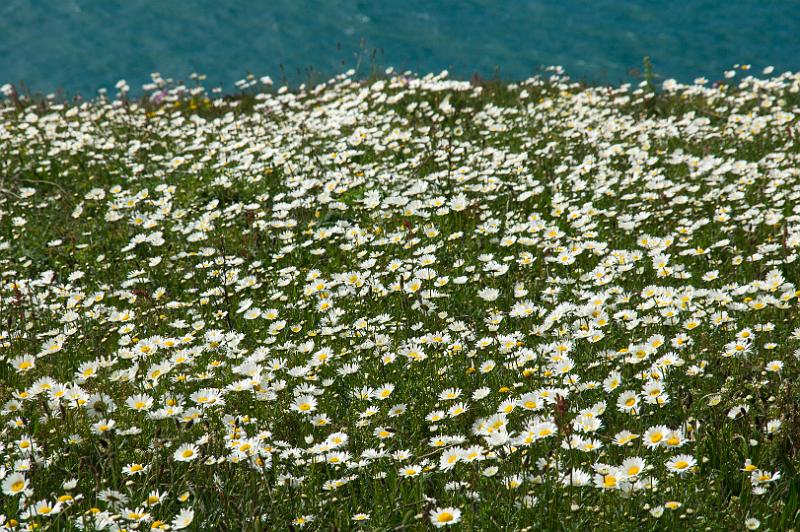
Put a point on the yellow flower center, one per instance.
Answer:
(445, 517)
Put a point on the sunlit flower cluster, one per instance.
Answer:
(403, 302)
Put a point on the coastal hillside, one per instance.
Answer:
(402, 303)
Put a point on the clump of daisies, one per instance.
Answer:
(398, 303)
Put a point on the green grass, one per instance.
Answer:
(644, 235)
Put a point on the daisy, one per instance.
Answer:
(14, 484)
(183, 519)
(681, 463)
(442, 517)
(140, 403)
(633, 466)
(43, 508)
(133, 469)
(628, 402)
(384, 391)
(752, 523)
(654, 436)
(611, 479)
(305, 404)
(186, 452)
(410, 471)
(450, 458)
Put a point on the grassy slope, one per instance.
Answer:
(279, 186)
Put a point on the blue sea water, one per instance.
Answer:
(82, 45)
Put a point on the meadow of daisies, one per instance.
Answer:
(402, 303)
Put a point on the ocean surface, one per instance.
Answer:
(82, 45)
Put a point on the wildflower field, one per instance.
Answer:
(402, 303)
